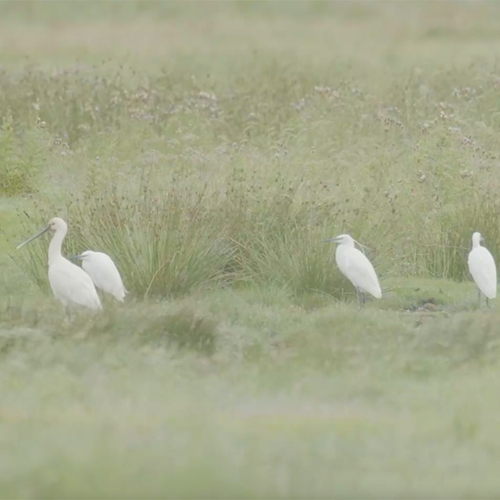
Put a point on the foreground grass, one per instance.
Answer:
(392, 403)
(210, 153)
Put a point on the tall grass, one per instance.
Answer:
(191, 180)
(23, 154)
(192, 235)
(169, 243)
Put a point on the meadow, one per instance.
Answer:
(210, 148)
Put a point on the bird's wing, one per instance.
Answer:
(361, 272)
(483, 270)
(104, 273)
(73, 285)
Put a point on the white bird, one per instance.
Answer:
(70, 284)
(100, 267)
(483, 269)
(355, 266)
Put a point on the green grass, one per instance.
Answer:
(210, 148)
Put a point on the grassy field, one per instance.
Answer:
(210, 147)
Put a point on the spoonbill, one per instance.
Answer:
(70, 284)
(355, 266)
(101, 268)
(483, 269)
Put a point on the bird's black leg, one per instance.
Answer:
(479, 298)
(360, 298)
(488, 302)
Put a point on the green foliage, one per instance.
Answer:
(23, 154)
(185, 329)
(447, 250)
(211, 165)
(189, 237)
(281, 382)
(193, 209)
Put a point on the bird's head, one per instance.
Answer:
(342, 239)
(347, 240)
(55, 224)
(477, 239)
(82, 256)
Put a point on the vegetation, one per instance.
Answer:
(210, 148)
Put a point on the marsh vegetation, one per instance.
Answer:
(209, 148)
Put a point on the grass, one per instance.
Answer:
(210, 148)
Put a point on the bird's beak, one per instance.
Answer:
(75, 257)
(331, 240)
(34, 237)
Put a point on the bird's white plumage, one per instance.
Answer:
(104, 273)
(71, 287)
(70, 284)
(355, 266)
(482, 268)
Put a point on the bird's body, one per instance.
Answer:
(482, 268)
(71, 285)
(101, 268)
(354, 265)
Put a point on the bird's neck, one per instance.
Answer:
(56, 246)
(349, 244)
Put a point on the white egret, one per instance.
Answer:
(483, 269)
(70, 284)
(355, 266)
(100, 267)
